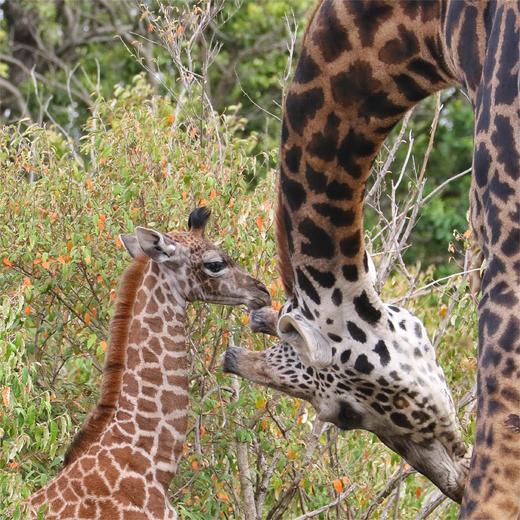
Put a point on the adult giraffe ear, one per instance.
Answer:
(131, 245)
(306, 338)
(157, 246)
(198, 219)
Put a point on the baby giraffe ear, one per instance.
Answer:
(159, 247)
(131, 245)
(198, 219)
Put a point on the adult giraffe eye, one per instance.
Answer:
(215, 267)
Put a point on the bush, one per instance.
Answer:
(62, 211)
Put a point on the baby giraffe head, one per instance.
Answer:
(194, 268)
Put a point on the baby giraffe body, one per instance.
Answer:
(121, 463)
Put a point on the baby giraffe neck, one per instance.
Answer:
(150, 419)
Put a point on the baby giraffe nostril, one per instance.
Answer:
(262, 287)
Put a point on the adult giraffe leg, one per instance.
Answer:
(493, 489)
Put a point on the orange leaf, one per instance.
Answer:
(170, 119)
(338, 485)
(61, 260)
(27, 310)
(418, 492)
(6, 395)
(87, 318)
(104, 345)
(291, 454)
(443, 310)
(46, 264)
(101, 222)
(195, 465)
(26, 281)
(7, 262)
(37, 261)
(276, 305)
(260, 222)
(222, 496)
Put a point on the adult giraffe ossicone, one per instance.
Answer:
(121, 462)
(363, 65)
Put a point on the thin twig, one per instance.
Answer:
(342, 496)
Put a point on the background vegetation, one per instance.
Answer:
(117, 114)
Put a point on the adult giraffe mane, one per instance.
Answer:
(114, 363)
(284, 257)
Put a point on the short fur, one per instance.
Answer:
(284, 257)
(114, 364)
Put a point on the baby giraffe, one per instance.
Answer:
(121, 462)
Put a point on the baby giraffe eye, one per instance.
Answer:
(215, 267)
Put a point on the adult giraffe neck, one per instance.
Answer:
(338, 112)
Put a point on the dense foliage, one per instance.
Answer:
(102, 149)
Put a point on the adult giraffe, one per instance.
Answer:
(363, 65)
(121, 463)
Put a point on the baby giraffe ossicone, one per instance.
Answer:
(120, 464)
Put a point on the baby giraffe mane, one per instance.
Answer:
(114, 364)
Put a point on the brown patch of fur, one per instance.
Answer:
(284, 258)
(114, 363)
